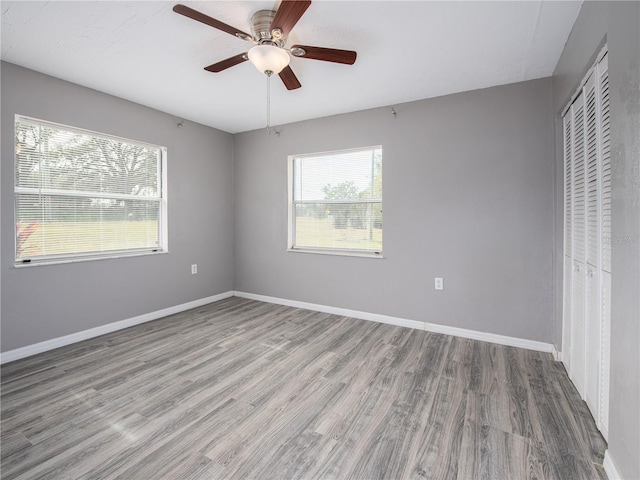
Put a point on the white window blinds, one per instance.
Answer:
(336, 201)
(83, 194)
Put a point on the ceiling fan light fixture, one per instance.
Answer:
(269, 59)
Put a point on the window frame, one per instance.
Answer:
(291, 207)
(161, 200)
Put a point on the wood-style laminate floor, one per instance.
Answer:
(241, 389)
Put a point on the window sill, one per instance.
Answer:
(88, 258)
(342, 253)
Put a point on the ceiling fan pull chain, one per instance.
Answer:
(269, 103)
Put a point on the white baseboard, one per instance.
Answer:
(610, 468)
(375, 317)
(47, 345)
(403, 322)
(557, 356)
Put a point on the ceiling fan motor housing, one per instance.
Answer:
(260, 28)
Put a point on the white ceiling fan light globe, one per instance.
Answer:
(268, 58)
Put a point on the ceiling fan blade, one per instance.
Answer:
(212, 22)
(289, 78)
(288, 15)
(229, 62)
(348, 57)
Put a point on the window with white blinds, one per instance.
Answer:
(81, 195)
(335, 202)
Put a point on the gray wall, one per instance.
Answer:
(46, 302)
(617, 24)
(468, 196)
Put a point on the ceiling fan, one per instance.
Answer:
(269, 32)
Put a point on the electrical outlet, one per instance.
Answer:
(439, 284)
(194, 269)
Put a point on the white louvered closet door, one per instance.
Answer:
(568, 226)
(604, 147)
(577, 350)
(587, 243)
(592, 279)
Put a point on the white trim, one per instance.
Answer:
(402, 322)
(76, 258)
(164, 202)
(490, 337)
(374, 317)
(610, 467)
(344, 253)
(557, 355)
(47, 345)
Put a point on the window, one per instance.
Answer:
(80, 194)
(335, 202)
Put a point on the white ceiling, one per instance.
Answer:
(144, 52)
